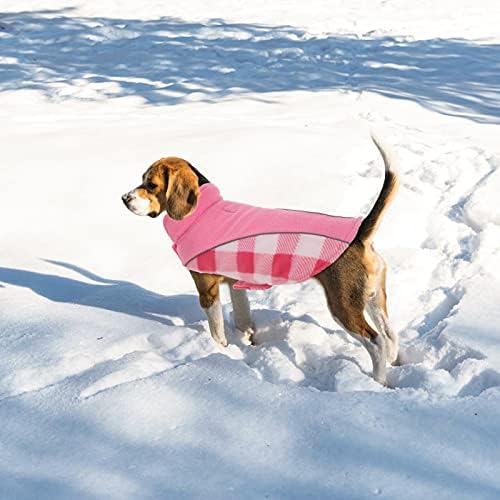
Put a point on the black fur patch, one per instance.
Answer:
(191, 197)
(201, 178)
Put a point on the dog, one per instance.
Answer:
(353, 274)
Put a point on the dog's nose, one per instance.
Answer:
(126, 198)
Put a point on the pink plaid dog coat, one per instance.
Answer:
(259, 247)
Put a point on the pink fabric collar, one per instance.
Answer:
(209, 195)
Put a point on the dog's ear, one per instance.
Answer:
(182, 190)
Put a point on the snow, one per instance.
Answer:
(110, 385)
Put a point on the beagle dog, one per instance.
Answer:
(354, 280)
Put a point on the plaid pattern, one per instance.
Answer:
(264, 260)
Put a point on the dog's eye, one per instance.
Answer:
(151, 186)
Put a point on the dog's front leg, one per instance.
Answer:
(216, 322)
(241, 312)
(208, 289)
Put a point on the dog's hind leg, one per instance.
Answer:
(377, 309)
(375, 343)
(241, 312)
(345, 285)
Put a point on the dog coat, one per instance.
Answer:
(258, 247)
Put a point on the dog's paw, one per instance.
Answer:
(397, 361)
(221, 341)
(248, 335)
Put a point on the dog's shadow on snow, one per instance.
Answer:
(102, 293)
(128, 298)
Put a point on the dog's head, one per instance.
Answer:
(169, 184)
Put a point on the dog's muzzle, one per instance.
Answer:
(126, 199)
(138, 205)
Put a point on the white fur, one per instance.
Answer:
(383, 327)
(138, 205)
(241, 312)
(216, 322)
(378, 352)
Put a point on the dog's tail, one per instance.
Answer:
(371, 223)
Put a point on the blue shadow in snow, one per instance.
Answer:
(112, 295)
(167, 61)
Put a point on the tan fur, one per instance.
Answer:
(183, 190)
(207, 286)
(171, 185)
(348, 283)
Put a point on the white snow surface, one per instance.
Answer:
(110, 384)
